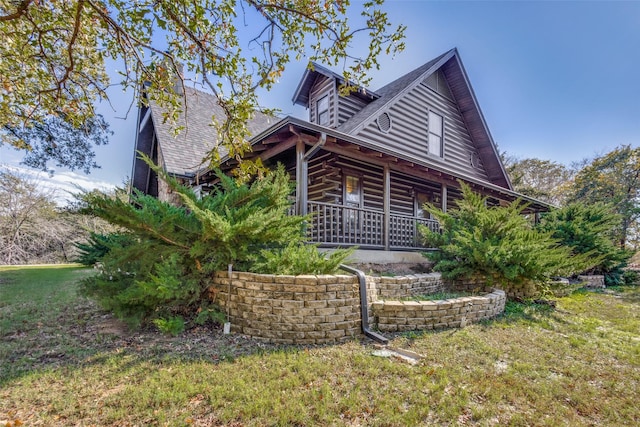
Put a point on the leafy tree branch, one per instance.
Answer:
(55, 51)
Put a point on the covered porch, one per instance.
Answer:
(360, 195)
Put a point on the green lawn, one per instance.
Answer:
(63, 362)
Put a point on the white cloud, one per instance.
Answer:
(61, 184)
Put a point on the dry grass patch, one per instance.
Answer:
(578, 364)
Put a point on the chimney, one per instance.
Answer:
(177, 87)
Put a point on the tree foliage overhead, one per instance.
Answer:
(613, 178)
(54, 52)
(57, 140)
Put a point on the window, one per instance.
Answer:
(322, 110)
(420, 200)
(352, 191)
(353, 200)
(436, 132)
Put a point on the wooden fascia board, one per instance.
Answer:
(482, 122)
(281, 147)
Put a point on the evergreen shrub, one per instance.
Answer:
(498, 244)
(163, 270)
(590, 229)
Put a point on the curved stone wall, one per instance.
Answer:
(326, 309)
(400, 316)
(290, 309)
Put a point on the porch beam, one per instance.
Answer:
(443, 196)
(301, 179)
(274, 151)
(398, 166)
(386, 207)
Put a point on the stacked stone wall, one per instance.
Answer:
(405, 286)
(401, 316)
(512, 290)
(290, 309)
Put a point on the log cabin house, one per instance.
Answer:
(364, 164)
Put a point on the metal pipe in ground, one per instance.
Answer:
(364, 310)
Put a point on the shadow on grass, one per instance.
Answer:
(82, 335)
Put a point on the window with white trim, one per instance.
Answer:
(436, 134)
(322, 110)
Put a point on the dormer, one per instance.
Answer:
(318, 91)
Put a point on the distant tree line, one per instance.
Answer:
(612, 179)
(33, 229)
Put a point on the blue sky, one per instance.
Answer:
(555, 80)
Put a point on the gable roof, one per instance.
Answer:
(312, 72)
(456, 76)
(183, 153)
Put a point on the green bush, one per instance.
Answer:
(171, 326)
(164, 268)
(630, 278)
(296, 258)
(498, 244)
(590, 229)
(97, 247)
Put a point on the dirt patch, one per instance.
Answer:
(395, 269)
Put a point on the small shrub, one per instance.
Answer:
(171, 326)
(296, 258)
(631, 278)
(165, 264)
(208, 313)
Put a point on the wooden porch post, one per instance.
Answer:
(387, 207)
(301, 179)
(443, 196)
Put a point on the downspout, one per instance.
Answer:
(364, 311)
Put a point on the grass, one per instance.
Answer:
(577, 364)
(438, 296)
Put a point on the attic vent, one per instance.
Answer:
(384, 122)
(474, 160)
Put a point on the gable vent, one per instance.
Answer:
(384, 122)
(474, 160)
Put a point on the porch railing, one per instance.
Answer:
(333, 225)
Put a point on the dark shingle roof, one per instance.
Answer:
(183, 153)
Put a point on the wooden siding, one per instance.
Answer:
(326, 174)
(324, 86)
(348, 106)
(403, 190)
(409, 133)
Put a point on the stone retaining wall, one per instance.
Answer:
(400, 316)
(326, 309)
(290, 309)
(404, 286)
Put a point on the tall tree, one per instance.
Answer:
(25, 211)
(54, 51)
(613, 178)
(545, 180)
(33, 229)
